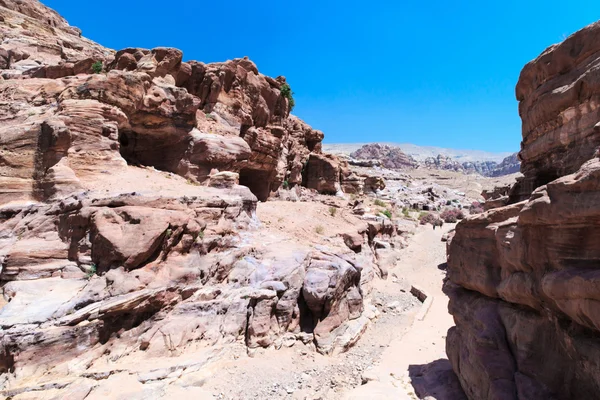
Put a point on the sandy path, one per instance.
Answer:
(418, 355)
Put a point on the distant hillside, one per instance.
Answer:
(421, 153)
(465, 161)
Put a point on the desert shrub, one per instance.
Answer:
(332, 211)
(452, 215)
(92, 271)
(406, 212)
(379, 203)
(387, 213)
(286, 184)
(286, 91)
(319, 229)
(426, 218)
(97, 67)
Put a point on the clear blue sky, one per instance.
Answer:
(431, 73)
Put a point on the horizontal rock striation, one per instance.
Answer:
(558, 103)
(144, 107)
(129, 183)
(523, 276)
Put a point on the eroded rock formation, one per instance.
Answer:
(128, 210)
(523, 277)
(392, 157)
(389, 156)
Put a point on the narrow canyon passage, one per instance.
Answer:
(416, 359)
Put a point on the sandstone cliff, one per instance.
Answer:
(184, 117)
(523, 277)
(129, 183)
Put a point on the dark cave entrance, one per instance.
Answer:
(259, 182)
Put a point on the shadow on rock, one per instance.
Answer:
(443, 266)
(436, 380)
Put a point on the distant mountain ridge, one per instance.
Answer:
(393, 157)
(421, 153)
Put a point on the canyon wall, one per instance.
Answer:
(188, 118)
(129, 184)
(523, 278)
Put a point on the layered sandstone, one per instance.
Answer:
(523, 277)
(189, 118)
(127, 211)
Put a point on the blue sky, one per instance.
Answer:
(431, 73)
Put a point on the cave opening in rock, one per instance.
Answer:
(161, 150)
(544, 178)
(7, 362)
(126, 146)
(308, 322)
(259, 182)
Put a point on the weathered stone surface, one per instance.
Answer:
(389, 156)
(128, 216)
(322, 173)
(244, 124)
(523, 277)
(558, 102)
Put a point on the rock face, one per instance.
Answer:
(509, 165)
(127, 206)
(558, 102)
(523, 277)
(389, 156)
(183, 117)
(393, 157)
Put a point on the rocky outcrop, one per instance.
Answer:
(558, 99)
(188, 118)
(510, 165)
(127, 209)
(35, 37)
(522, 277)
(390, 157)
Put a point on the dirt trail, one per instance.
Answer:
(416, 361)
(398, 357)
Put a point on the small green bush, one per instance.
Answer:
(380, 203)
(319, 229)
(92, 271)
(286, 91)
(286, 184)
(332, 211)
(406, 212)
(97, 67)
(387, 213)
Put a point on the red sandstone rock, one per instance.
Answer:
(523, 278)
(104, 249)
